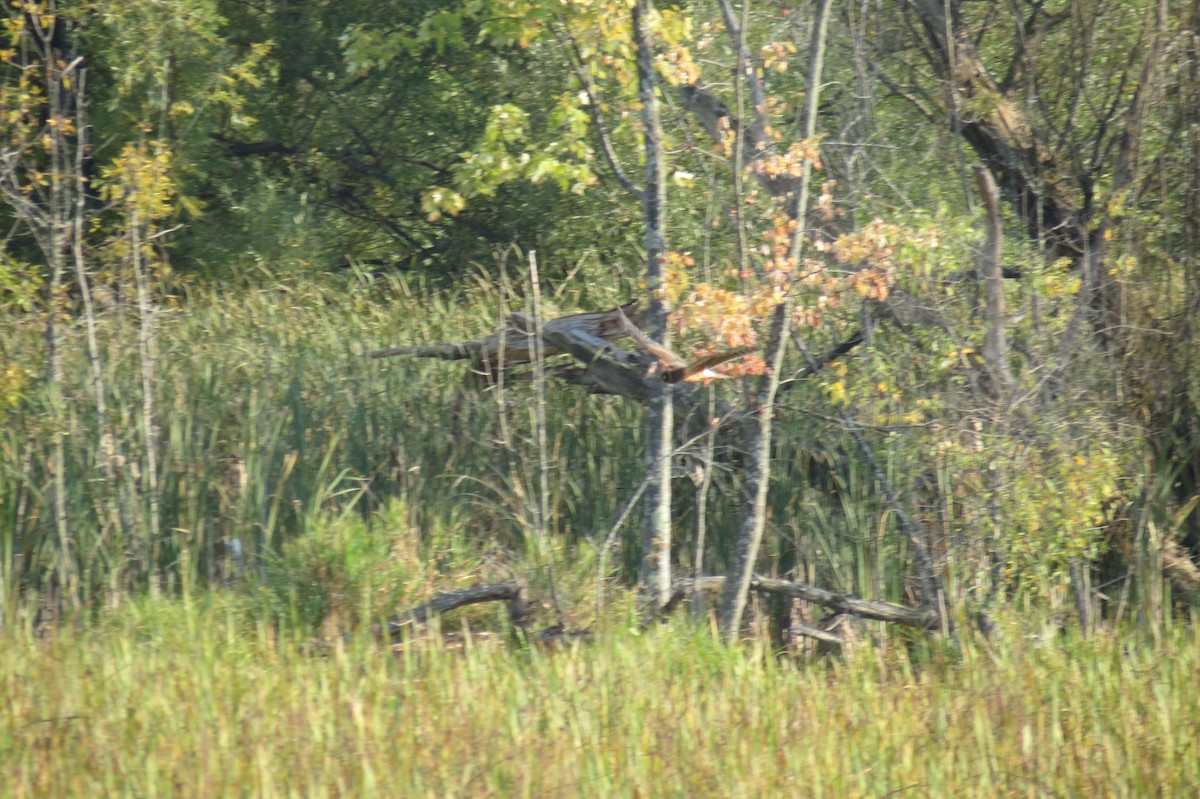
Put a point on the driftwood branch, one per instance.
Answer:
(601, 366)
(865, 608)
(824, 636)
(511, 592)
(842, 603)
(608, 369)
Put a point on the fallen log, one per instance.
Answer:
(607, 369)
(843, 603)
(400, 626)
(512, 593)
(926, 619)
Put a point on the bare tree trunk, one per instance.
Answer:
(708, 460)
(542, 505)
(655, 573)
(66, 564)
(146, 350)
(1004, 137)
(741, 568)
(41, 180)
(58, 81)
(108, 454)
(995, 350)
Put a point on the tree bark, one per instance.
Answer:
(655, 572)
(922, 618)
(511, 592)
(1029, 170)
(995, 350)
(758, 476)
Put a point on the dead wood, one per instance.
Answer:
(837, 632)
(601, 366)
(824, 636)
(995, 350)
(607, 369)
(512, 592)
(842, 603)
(866, 608)
(404, 626)
(485, 353)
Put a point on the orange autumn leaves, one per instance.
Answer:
(729, 317)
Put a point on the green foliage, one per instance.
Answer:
(506, 153)
(345, 571)
(178, 49)
(1056, 508)
(20, 285)
(385, 134)
(14, 382)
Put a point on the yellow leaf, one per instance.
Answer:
(837, 393)
(682, 178)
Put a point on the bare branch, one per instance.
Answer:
(511, 592)
(925, 619)
(749, 74)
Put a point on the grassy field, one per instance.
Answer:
(357, 487)
(192, 699)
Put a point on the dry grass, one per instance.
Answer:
(173, 699)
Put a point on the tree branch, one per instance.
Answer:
(585, 78)
(925, 619)
(511, 592)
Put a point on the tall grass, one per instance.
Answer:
(270, 418)
(170, 699)
(332, 489)
(270, 415)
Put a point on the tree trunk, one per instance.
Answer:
(758, 475)
(995, 350)
(655, 573)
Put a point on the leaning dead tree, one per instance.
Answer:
(516, 346)
(922, 618)
(604, 367)
(412, 625)
(600, 365)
